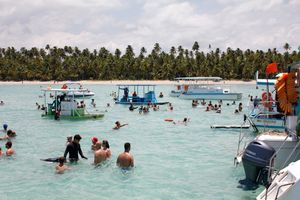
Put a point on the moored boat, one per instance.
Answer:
(137, 94)
(66, 107)
(203, 88)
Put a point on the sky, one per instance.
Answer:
(244, 24)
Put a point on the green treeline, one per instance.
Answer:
(71, 63)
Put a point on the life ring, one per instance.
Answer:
(267, 100)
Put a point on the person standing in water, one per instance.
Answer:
(99, 155)
(125, 160)
(73, 149)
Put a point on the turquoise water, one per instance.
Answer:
(171, 161)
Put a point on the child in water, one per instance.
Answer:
(60, 168)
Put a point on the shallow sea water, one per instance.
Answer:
(171, 161)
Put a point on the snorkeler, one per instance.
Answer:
(125, 159)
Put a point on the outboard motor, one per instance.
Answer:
(256, 161)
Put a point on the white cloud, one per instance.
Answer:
(255, 24)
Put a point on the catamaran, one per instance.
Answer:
(203, 88)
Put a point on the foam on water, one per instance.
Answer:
(171, 161)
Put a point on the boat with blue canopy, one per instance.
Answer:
(137, 94)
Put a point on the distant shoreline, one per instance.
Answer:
(113, 82)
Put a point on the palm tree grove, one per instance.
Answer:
(72, 63)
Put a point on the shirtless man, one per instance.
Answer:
(10, 151)
(60, 168)
(94, 142)
(125, 159)
(99, 155)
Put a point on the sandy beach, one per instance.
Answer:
(114, 82)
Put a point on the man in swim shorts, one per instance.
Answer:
(73, 149)
(125, 159)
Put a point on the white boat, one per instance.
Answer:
(66, 107)
(285, 186)
(79, 92)
(203, 88)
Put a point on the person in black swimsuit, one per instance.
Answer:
(73, 149)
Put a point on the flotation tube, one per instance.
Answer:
(286, 91)
(169, 120)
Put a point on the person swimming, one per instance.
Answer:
(119, 125)
(61, 167)
(10, 151)
(131, 107)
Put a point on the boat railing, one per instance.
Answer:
(270, 168)
(242, 139)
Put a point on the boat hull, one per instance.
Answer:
(175, 94)
(81, 95)
(83, 117)
(140, 103)
(211, 96)
(266, 124)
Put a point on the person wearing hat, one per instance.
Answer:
(95, 142)
(5, 126)
(73, 149)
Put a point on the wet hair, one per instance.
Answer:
(105, 142)
(8, 144)
(127, 146)
(61, 160)
(77, 137)
(185, 119)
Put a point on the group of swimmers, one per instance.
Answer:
(101, 151)
(10, 134)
